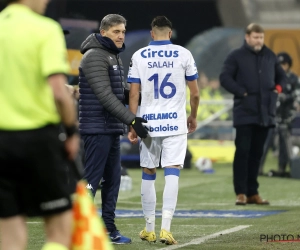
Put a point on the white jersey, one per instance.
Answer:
(162, 69)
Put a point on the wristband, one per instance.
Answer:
(71, 130)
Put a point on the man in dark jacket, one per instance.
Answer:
(103, 116)
(254, 76)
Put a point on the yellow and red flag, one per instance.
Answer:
(89, 232)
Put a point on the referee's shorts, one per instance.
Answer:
(33, 177)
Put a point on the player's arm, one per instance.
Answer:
(134, 96)
(134, 80)
(194, 103)
(191, 78)
(194, 97)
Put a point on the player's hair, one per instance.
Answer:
(161, 22)
(112, 20)
(254, 27)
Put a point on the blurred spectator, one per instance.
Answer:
(209, 91)
(289, 99)
(202, 81)
(287, 103)
(254, 76)
(214, 94)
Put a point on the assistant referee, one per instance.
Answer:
(33, 102)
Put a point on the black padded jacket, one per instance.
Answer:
(101, 86)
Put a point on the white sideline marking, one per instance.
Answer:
(207, 237)
(183, 206)
(178, 205)
(195, 227)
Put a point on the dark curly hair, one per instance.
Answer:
(161, 22)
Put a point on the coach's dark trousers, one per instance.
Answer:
(102, 159)
(249, 142)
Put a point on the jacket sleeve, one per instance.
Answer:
(227, 76)
(95, 68)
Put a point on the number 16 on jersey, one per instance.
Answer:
(159, 89)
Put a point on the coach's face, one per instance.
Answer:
(255, 40)
(39, 6)
(116, 34)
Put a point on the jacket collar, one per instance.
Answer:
(109, 44)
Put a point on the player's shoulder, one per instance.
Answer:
(180, 48)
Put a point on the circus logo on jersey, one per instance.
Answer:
(148, 53)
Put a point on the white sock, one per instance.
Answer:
(169, 197)
(148, 197)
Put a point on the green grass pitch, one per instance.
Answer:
(200, 191)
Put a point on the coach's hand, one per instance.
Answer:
(139, 128)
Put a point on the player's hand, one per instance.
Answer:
(139, 127)
(72, 146)
(191, 124)
(132, 136)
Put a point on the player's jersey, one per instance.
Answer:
(162, 69)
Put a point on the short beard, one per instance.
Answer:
(255, 48)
